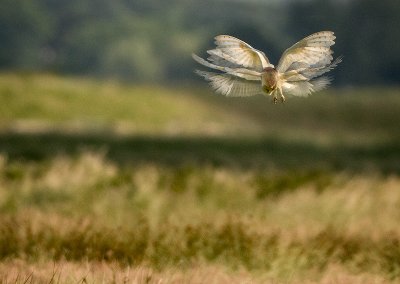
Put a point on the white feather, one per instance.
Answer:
(313, 50)
(231, 86)
(239, 72)
(238, 52)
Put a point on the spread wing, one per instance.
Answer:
(302, 63)
(234, 82)
(232, 52)
(311, 52)
(240, 66)
(231, 85)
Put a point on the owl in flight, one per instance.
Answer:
(246, 71)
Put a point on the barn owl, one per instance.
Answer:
(245, 71)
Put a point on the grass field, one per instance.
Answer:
(116, 183)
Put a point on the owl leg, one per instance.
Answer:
(283, 99)
(274, 96)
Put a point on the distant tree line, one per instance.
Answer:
(152, 40)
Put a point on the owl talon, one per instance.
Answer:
(283, 99)
(275, 100)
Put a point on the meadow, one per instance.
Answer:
(102, 181)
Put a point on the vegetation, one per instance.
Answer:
(151, 40)
(101, 181)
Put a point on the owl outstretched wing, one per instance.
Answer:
(311, 52)
(234, 82)
(233, 52)
(302, 63)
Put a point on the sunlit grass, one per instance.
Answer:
(45, 102)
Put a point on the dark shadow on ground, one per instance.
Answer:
(179, 151)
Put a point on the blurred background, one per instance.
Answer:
(151, 41)
(119, 165)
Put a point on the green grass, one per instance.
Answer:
(47, 101)
(107, 182)
(43, 102)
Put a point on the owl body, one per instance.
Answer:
(269, 79)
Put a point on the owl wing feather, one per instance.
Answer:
(302, 63)
(305, 88)
(236, 51)
(313, 51)
(239, 72)
(230, 85)
(311, 73)
(233, 57)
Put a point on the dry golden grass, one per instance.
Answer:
(91, 272)
(176, 224)
(19, 271)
